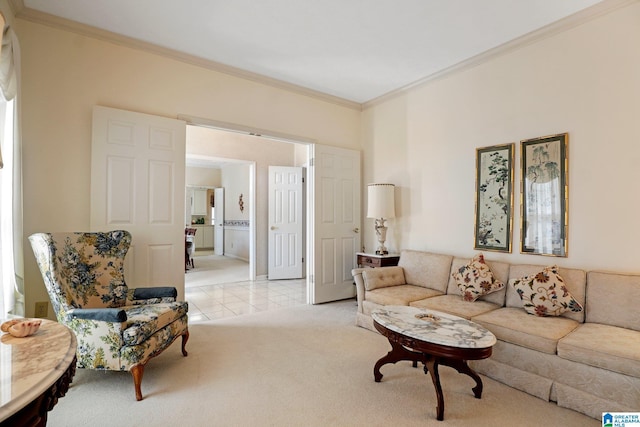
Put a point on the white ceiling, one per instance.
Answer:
(357, 50)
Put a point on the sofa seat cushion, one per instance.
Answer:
(399, 295)
(516, 326)
(603, 346)
(145, 320)
(453, 304)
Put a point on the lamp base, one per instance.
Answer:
(381, 233)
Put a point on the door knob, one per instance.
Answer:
(356, 230)
(273, 227)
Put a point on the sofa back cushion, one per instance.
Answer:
(383, 277)
(613, 299)
(500, 272)
(574, 279)
(426, 269)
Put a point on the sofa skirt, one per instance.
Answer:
(572, 385)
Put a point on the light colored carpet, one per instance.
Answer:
(215, 269)
(300, 366)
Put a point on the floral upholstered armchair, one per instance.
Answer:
(117, 328)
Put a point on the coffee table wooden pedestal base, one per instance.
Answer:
(431, 355)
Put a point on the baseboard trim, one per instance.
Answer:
(228, 255)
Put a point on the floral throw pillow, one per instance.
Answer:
(545, 293)
(476, 279)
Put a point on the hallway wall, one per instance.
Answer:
(235, 180)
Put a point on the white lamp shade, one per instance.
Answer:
(381, 201)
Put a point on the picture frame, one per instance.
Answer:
(494, 197)
(544, 195)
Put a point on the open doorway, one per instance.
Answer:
(332, 204)
(241, 163)
(230, 285)
(219, 248)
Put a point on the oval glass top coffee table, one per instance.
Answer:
(433, 338)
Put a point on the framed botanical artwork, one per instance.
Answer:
(544, 201)
(494, 197)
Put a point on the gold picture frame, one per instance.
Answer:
(494, 197)
(544, 196)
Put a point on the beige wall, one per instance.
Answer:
(65, 74)
(235, 180)
(202, 177)
(584, 81)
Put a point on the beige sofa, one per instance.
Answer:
(587, 361)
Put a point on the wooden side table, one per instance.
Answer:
(375, 260)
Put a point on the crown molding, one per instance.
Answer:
(550, 30)
(16, 6)
(32, 15)
(245, 130)
(586, 15)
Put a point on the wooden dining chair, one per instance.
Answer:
(189, 246)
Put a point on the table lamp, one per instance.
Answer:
(381, 206)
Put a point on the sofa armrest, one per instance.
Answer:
(114, 315)
(359, 282)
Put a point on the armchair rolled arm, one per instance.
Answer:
(156, 292)
(102, 314)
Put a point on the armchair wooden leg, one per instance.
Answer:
(137, 371)
(185, 338)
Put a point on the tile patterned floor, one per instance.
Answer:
(208, 302)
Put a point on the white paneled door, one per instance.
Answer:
(285, 223)
(218, 245)
(138, 184)
(335, 215)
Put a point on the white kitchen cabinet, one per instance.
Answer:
(208, 236)
(204, 236)
(199, 202)
(198, 239)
